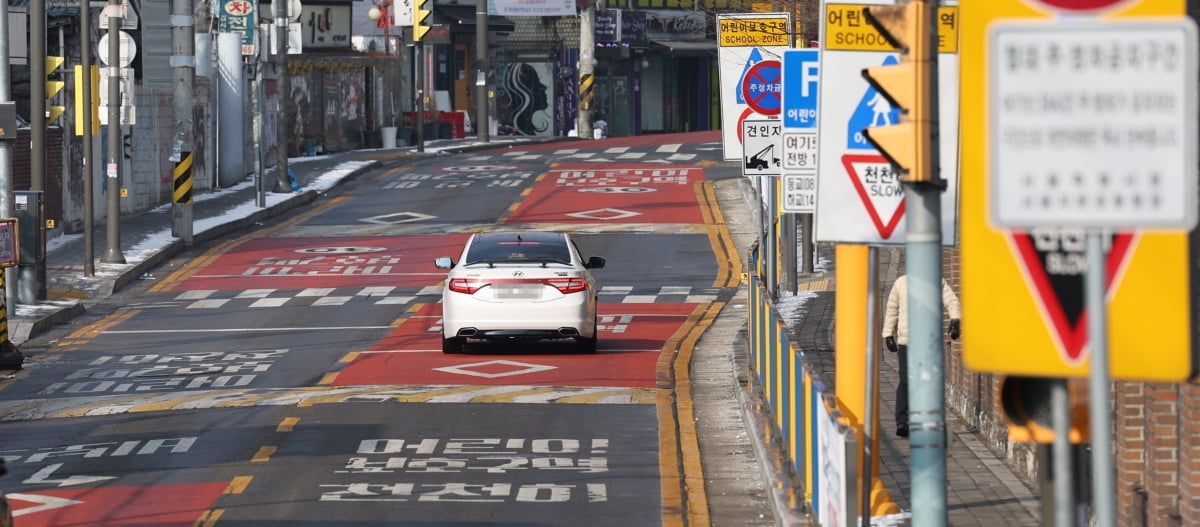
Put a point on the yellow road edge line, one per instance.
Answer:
(349, 357)
(190, 268)
(669, 476)
(209, 518)
(689, 437)
(95, 328)
(288, 424)
(729, 262)
(238, 485)
(264, 454)
(327, 379)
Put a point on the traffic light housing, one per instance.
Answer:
(1027, 409)
(908, 85)
(421, 18)
(53, 86)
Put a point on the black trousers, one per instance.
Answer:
(902, 388)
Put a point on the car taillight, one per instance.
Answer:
(567, 285)
(467, 285)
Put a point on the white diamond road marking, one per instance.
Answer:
(397, 218)
(604, 214)
(521, 369)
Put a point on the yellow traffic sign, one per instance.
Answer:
(744, 32)
(847, 30)
(1022, 291)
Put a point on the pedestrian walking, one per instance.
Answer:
(895, 337)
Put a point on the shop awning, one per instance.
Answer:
(687, 47)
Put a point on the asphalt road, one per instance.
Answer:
(293, 376)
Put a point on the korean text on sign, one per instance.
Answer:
(751, 32)
(847, 29)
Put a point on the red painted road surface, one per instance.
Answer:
(612, 193)
(631, 339)
(299, 263)
(158, 505)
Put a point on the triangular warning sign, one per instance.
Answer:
(879, 187)
(1055, 262)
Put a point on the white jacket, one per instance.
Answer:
(895, 318)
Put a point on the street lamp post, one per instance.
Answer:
(383, 12)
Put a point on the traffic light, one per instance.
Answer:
(53, 86)
(421, 15)
(908, 86)
(1027, 408)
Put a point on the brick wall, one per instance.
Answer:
(1189, 454)
(1129, 422)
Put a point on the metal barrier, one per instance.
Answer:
(820, 446)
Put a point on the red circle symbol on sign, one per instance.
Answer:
(1079, 5)
(762, 87)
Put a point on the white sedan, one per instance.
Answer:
(519, 285)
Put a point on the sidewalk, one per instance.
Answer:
(980, 489)
(147, 241)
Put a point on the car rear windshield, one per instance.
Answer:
(519, 249)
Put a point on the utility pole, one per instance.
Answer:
(89, 176)
(183, 65)
(283, 93)
(31, 286)
(482, 123)
(587, 67)
(9, 292)
(112, 253)
(913, 150)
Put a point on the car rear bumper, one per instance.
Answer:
(569, 316)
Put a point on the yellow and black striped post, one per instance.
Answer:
(10, 357)
(587, 91)
(183, 178)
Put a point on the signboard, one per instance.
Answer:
(128, 111)
(608, 25)
(531, 7)
(8, 120)
(238, 16)
(801, 71)
(18, 35)
(10, 251)
(1026, 286)
(1106, 142)
(745, 40)
(762, 147)
(860, 199)
(325, 26)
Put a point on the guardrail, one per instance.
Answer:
(817, 440)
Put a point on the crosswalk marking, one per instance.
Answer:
(392, 296)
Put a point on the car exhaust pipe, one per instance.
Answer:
(568, 332)
(467, 332)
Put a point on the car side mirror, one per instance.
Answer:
(595, 262)
(443, 263)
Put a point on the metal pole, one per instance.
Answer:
(89, 175)
(7, 204)
(482, 123)
(772, 234)
(807, 247)
(31, 284)
(587, 67)
(183, 67)
(926, 378)
(1103, 491)
(1064, 485)
(260, 180)
(420, 83)
(283, 94)
(788, 252)
(872, 384)
(112, 252)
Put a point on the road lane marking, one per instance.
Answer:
(264, 454)
(239, 330)
(288, 424)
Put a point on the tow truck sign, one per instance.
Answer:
(762, 147)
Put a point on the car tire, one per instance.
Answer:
(585, 345)
(452, 345)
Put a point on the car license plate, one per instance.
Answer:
(519, 291)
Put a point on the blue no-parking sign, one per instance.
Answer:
(800, 75)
